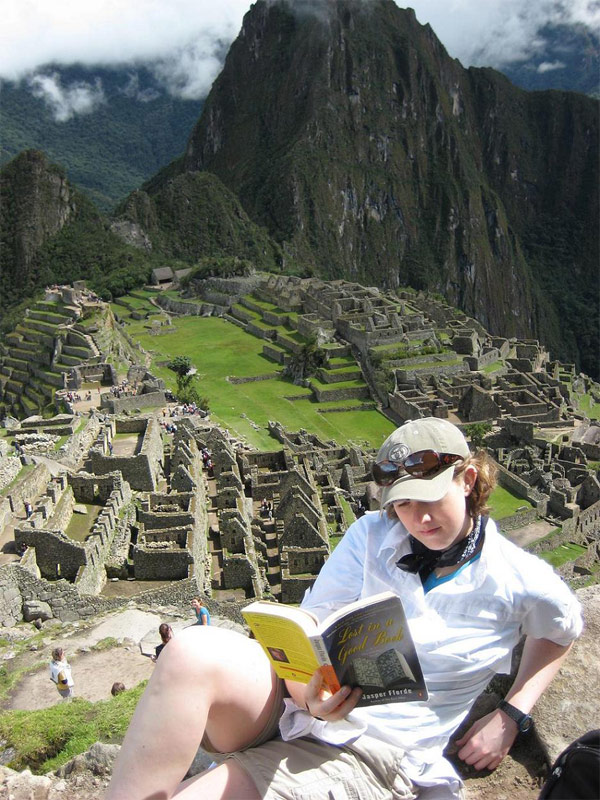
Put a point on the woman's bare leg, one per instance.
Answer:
(207, 679)
(229, 781)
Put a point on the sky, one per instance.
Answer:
(186, 39)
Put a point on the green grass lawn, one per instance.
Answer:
(563, 553)
(504, 504)
(44, 740)
(218, 349)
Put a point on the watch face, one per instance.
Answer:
(525, 723)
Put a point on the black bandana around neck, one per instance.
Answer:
(425, 561)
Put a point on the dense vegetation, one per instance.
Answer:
(115, 147)
(59, 237)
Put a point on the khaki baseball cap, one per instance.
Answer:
(429, 433)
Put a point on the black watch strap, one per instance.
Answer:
(524, 721)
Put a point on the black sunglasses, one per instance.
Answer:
(423, 464)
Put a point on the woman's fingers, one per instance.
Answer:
(340, 704)
(329, 706)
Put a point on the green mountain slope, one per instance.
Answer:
(50, 232)
(111, 150)
(193, 215)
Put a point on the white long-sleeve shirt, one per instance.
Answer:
(56, 667)
(464, 631)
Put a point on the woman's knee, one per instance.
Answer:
(206, 653)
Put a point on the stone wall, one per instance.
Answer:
(512, 483)
(168, 564)
(586, 523)
(28, 487)
(183, 308)
(518, 520)
(239, 573)
(294, 589)
(119, 405)
(141, 470)
(330, 395)
(66, 603)
(78, 445)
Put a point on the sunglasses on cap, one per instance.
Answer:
(423, 464)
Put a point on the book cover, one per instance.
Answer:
(366, 644)
(371, 647)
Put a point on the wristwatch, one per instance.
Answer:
(524, 721)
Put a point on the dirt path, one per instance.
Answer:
(94, 673)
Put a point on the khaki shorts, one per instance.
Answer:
(307, 769)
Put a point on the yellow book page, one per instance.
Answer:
(286, 645)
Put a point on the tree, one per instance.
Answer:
(477, 431)
(306, 361)
(187, 390)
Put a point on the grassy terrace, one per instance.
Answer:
(219, 349)
(46, 739)
(504, 504)
(563, 553)
(358, 383)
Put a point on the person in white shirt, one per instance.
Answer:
(60, 673)
(469, 595)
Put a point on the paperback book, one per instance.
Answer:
(366, 644)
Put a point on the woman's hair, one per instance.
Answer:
(57, 654)
(482, 488)
(484, 482)
(117, 688)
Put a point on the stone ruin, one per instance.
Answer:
(131, 504)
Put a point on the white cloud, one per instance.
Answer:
(186, 39)
(133, 91)
(66, 102)
(498, 32)
(549, 66)
(184, 36)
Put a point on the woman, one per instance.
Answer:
(469, 595)
(60, 673)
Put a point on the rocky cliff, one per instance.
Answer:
(369, 154)
(36, 202)
(51, 233)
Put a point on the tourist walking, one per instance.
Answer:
(60, 673)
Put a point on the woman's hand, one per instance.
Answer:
(320, 703)
(487, 741)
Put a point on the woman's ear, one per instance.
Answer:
(469, 477)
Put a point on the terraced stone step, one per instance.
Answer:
(17, 363)
(49, 328)
(39, 399)
(68, 312)
(29, 407)
(55, 379)
(65, 361)
(14, 338)
(14, 386)
(82, 353)
(17, 375)
(328, 376)
(50, 317)
(43, 339)
(31, 348)
(24, 355)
